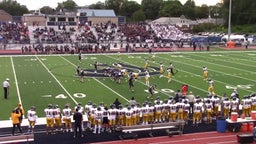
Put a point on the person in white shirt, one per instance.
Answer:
(6, 86)
(31, 114)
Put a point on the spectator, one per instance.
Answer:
(6, 86)
(15, 121)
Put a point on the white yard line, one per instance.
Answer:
(57, 80)
(226, 67)
(99, 81)
(16, 82)
(211, 70)
(164, 76)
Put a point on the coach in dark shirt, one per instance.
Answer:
(78, 118)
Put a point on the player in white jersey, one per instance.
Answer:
(253, 99)
(120, 116)
(186, 111)
(165, 111)
(173, 111)
(144, 111)
(158, 112)
(49, 119)
(67, 114)
(57, 118)
(216, 103)
(112, 117)
(208, 111)
(180, 108)
(211, 87)
(151, 110)
(87, 107)
(31, 114)
(98, 120)
(234, 105)
(128, 116)
(205, 73)
(92, 115)
(147, 77)
(197, 112)
(226, 107)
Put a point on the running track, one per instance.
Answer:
(195, 138)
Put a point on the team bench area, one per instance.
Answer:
(17, 139)
(170, 127)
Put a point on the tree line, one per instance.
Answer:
(243, 11)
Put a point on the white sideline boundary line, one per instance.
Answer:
(91, 54)
(16, 82)
(211, 70)
(57, 80)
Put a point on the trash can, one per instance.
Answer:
(221, 124)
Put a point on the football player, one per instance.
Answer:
(57, 118)
(180, 109)
(98, 120)
(197, 112)
(161, 70)
(169, 75)
(211, 87)
(147, 76)
(146, 64)
(31, 114)
(205, 73)
(173, 110)
(67, 114)
(112, 117)
(208, 110)
(226, 107)
(49, 119)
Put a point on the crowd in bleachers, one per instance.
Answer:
(14, 33)
(167, 32)
(50, 35)
(92, 38)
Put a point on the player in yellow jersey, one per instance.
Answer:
(169, 75)
(161, 70)
(146, 64)
(211, 87)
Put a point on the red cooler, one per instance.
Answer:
(253, 115)
(234, 116)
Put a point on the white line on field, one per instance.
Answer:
(226, 67)
(57, 80)
(211, 70)
(99, 81)
(164, 76)
(16, 82)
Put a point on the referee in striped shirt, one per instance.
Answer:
(6, 86)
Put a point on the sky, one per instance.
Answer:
(36, 4)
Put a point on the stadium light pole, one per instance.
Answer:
(229, 20)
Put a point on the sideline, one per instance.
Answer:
(16, 82)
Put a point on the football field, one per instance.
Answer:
(40, 80)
